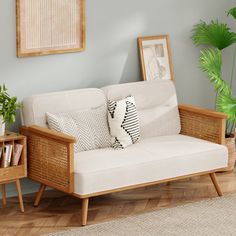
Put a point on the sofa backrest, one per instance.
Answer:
(156, 103)
(35, 107)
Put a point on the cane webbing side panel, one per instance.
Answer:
(50, 161)
(203, 125)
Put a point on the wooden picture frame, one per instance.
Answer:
(46, 27)
(155, 57)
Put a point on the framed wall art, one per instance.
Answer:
(155, 57)
(50, 27)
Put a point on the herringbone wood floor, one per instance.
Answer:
(58, 211)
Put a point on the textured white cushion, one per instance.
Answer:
(156, 104)
(35, 107)
(89, 127)
(123, 122)
(149, 160)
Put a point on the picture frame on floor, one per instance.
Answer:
(155, 57)
(49, 27)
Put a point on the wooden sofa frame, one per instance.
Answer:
(51, 154)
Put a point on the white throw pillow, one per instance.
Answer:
(123, 122)
(89, 127)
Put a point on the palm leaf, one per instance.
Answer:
(232, 12)
(227, 105)
(214, 34)
(211, 63)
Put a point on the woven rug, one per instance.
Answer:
(212, 217)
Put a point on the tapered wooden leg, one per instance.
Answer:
(18, 188)
(216, 184)
(85, 203)
(39, 194)
(4, 195)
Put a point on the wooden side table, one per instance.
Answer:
(13, 173)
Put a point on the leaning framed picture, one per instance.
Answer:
(49, 27)
(155, 57)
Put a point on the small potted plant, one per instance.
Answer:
(8, 108)
(216, 36)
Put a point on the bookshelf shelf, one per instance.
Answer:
(9, 171)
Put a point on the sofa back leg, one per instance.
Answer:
(216, 184)
(85, 203)
(39, 194)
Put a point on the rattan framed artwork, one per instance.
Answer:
(155, 57)
(49, 27)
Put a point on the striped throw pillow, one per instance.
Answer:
(123, 122)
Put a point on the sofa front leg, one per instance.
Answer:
(216, 184)
(39, 194)
(85, 203)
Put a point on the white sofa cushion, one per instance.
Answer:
(123, 122)
(149, 160)
(156, 103)
(35, 107)
(89, 127)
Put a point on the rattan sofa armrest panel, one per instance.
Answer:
(203, 111)
(50, 157)
(51, 134)
(202, 123)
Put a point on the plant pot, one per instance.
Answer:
(2, 127)
(230, 144)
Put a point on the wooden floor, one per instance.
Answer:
(60, 212)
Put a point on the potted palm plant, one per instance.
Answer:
(8, 108)
(215, 37)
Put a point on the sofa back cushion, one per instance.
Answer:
(156, 103)
(35, 107)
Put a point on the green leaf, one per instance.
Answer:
(232, 12)
(227, 104)
(8, 106)
(214, 34)
(211, 63)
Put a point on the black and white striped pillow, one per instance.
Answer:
(123, 122)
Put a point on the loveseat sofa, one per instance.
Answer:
(177, 141)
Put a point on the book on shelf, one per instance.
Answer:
(7, 155)
(0, 156)
(17, 153)
(4, 157)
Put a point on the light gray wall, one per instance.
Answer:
(111, 55)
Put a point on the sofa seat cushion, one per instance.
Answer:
(149, 160)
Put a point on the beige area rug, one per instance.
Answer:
(212, 217)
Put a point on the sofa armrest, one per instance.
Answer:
(50, 157)
(202, 123)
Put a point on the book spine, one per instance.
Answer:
(9, 156)
(6, 153)
(0, 155)
(17, 153)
